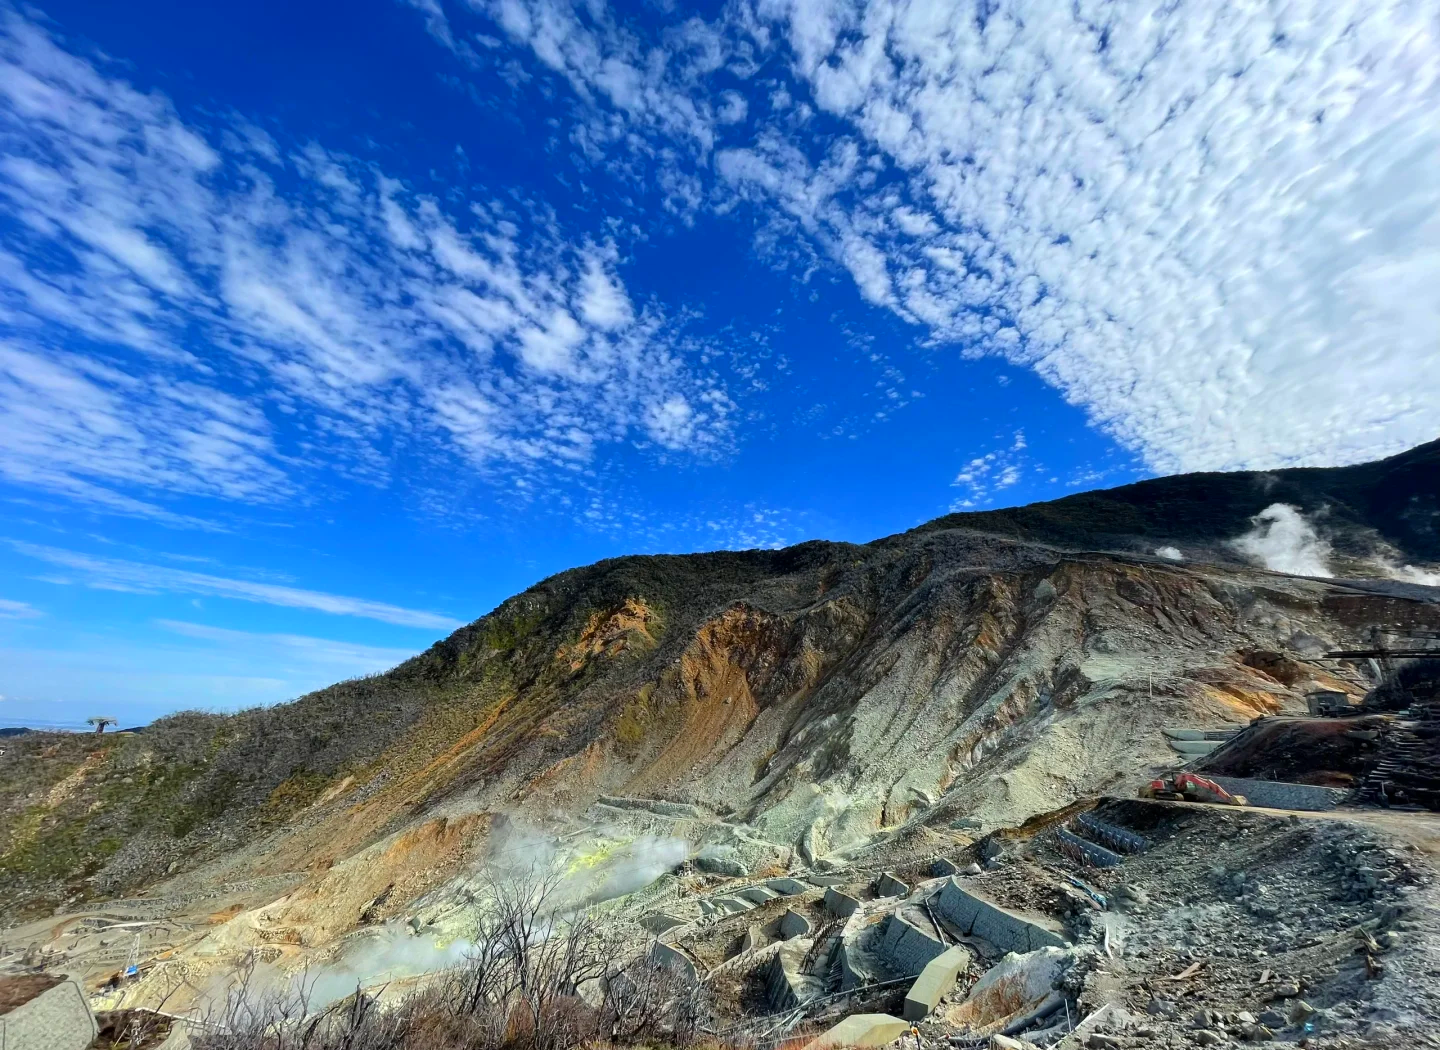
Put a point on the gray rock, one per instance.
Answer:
(1285, 990)
(1272, 1019)
(1207, 1037)
(721, 860)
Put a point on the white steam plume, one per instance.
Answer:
(594, 870)
(1283, 541)
(1409, 573)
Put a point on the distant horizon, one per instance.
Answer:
(323, 326)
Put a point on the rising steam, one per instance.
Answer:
(1283, 541)
(1413, 574)
(591, 870)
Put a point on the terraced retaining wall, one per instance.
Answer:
(1004, 929)
(1280, 794)
(906, 948)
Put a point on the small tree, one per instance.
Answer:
(100, 722)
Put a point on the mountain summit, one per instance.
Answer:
(805, 700)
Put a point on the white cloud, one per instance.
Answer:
(1211, 226)
(987, 474)
(138, 577)
(13, 610)
(347, 657)
(1215, 227)
(202, 304)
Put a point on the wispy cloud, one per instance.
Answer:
(1215, 228)
(13, 610)
(139, 577)
(346, 657)
(247, 305)
(990, 473)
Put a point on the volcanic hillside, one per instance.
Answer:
(801, 703)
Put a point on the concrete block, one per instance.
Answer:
(1280, 794)
(757, 894)
(840, 904)
(975, 916)
(943, 866)
(889, 886)
(793, 924)
(754, 938)
(48, 1014)
(1184, 734)
(787, 887)
(935, 982)
(732, 905)
(861, 1030)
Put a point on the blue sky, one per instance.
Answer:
(324, 328)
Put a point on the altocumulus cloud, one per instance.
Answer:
(1215, 226)
(203, 279)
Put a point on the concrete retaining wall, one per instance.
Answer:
(785, 985)
(1121, 840)
(1004, 929)
(664, 955)
(1279, 794)
(788, 887)
(57, 1019)
(793, 924)
(1088, 852)
(1194, 747)
(907, 949)
(840, 904)
(887, 885)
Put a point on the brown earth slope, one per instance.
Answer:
(820, 696)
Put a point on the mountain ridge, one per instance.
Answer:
(819, 693)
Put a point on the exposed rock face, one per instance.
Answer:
(795, 704)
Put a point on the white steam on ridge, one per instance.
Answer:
(1283, 541)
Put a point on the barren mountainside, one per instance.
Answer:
(796, 703)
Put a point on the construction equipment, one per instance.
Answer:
(1187, 787)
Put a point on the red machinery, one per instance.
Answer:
(1187, 787)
